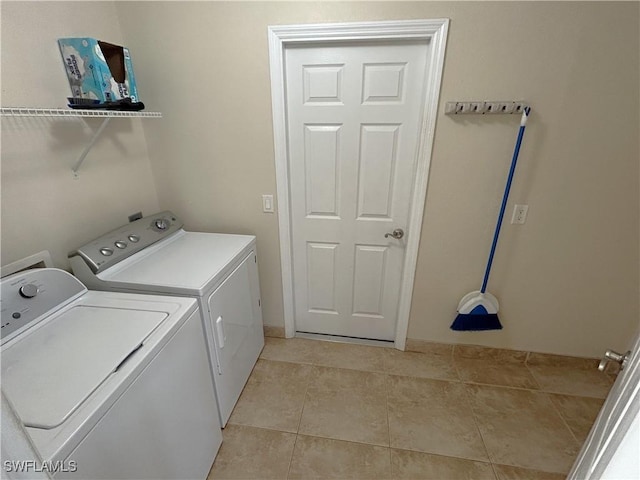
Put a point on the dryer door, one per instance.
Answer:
(237, 334)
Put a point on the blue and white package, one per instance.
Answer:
(98, 70)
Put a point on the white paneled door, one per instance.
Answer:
(354, 113)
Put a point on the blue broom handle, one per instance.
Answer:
(505, 197)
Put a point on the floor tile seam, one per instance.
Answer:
(380, 372)
(511, 387)
(285, 361)
(541, 390)
(582, 364)
(304, 402)
(454, 457)
(535, 379)
(386, 404)
(503, 464)
(324, 365)
(493, 469)
(564, 420)
(435, 379)
(383, 371)
(493, 361)
(455, 368)
(444, 455)
(396, 374)
(259, 428)
(272, 429)
(342, 440)
(441, 356)
(377, 372)
(293, 450)
(480, 383)
(476, 422)
(546, 394)
(357, 443)
(495, 350)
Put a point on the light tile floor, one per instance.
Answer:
(315, 409)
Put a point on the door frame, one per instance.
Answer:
(282, 36)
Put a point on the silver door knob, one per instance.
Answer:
(398, 233)
(621, 358)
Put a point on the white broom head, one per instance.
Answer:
(473, 299)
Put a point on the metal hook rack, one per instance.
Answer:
(491, 107)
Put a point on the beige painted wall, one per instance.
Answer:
(567, 280)
(43, 206)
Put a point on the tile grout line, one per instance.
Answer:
(493, 469)
(386, 391)
(526, 366)
(304, 401)
(295, 442)
(477, 423)
(452, 357)
(352, 441)
(458, 380)
(564, 420)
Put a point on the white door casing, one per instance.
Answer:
(381, 134)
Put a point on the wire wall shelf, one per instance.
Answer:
(65, 112)
(106, 115)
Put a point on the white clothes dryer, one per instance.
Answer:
(107, 385)
(156, 255)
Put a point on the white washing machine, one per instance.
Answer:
(106, 385)
(156, 255)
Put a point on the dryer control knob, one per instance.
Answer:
(28, 291)
(161, 224)
(134, 238)
(121, 244)
(106, 251)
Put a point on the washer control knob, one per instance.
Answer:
(106, 251)
(161, 224)
(28, 291)
(121, 244)
(134, 238)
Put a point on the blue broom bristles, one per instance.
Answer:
(477, 322)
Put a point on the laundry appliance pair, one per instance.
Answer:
(135, 377)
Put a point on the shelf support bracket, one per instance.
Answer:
(92, 142)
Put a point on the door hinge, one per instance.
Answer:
(259, 303)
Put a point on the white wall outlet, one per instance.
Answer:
(519, 214)
(267, 204)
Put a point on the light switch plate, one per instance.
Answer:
(267, 203)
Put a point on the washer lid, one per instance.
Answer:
(54, 369)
